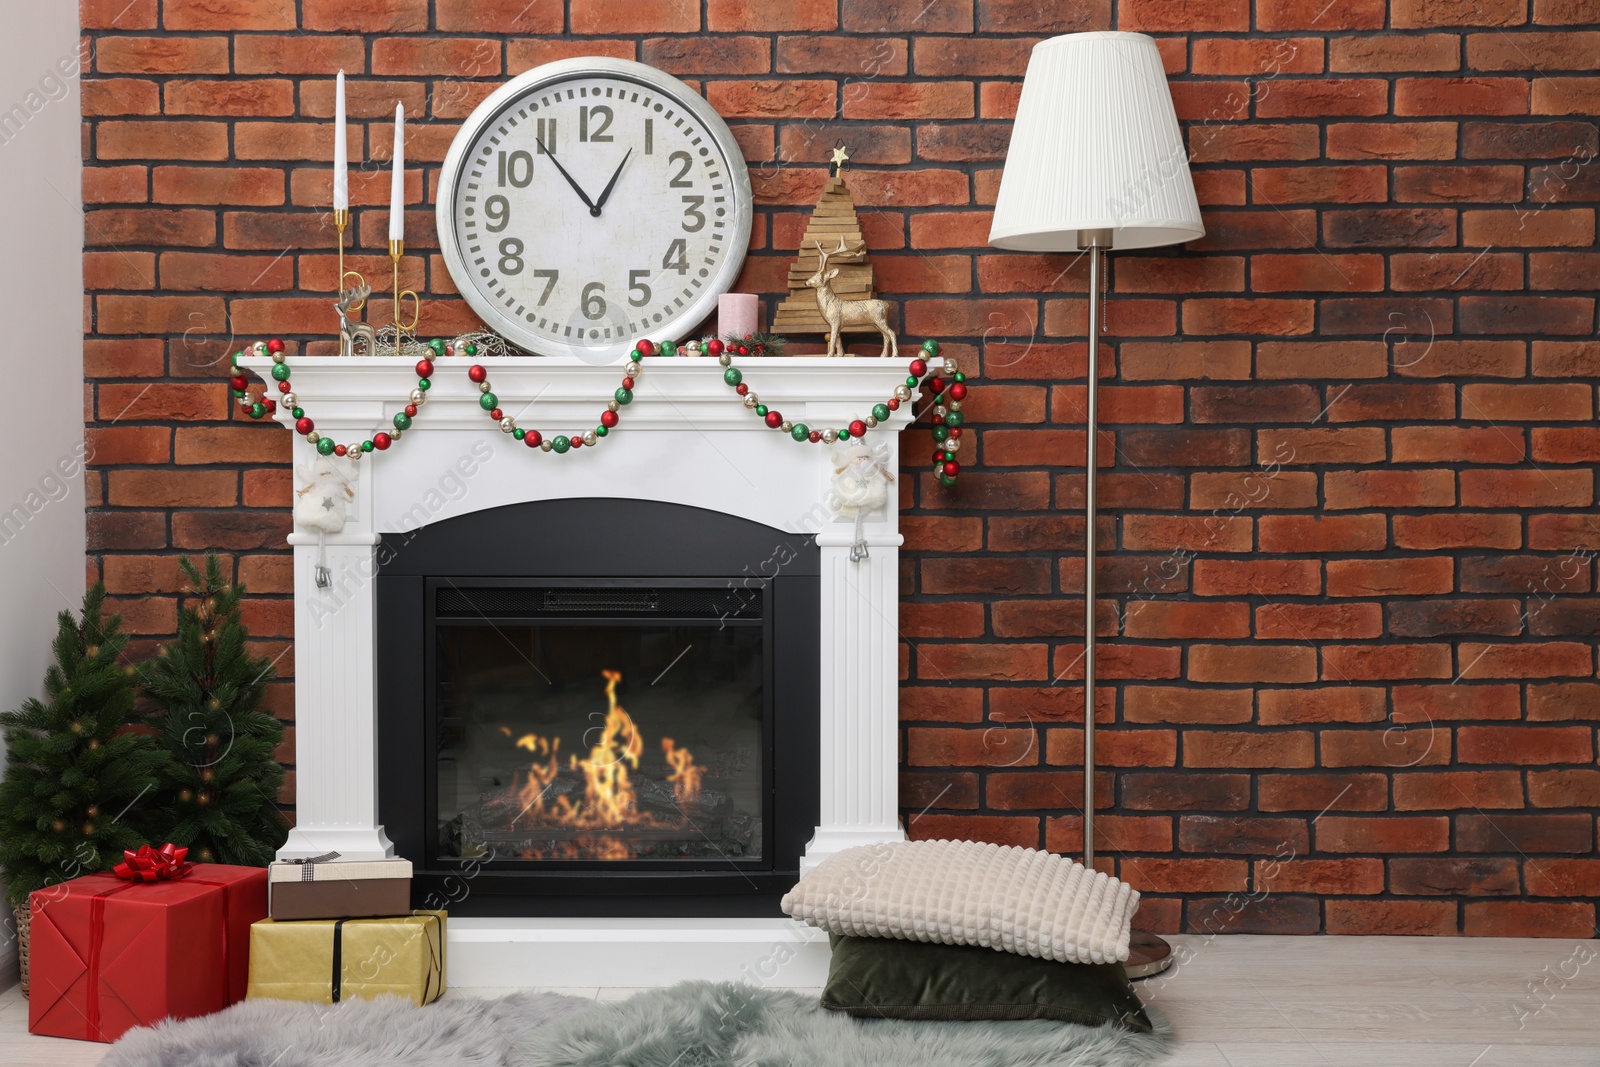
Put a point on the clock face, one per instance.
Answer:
(590, 203)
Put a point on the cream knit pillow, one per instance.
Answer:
(970, 893)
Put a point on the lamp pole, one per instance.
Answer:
(1094, 242)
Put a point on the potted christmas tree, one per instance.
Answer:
(219, 784)
(73, 770)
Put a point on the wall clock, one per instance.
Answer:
(590, 202)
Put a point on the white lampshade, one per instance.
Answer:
(1096, 146)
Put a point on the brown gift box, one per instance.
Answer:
(342, 889)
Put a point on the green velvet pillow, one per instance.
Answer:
(886, 978)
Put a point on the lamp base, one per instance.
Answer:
(1147, 955)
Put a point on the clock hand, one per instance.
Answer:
(575, 187)
(612, 184)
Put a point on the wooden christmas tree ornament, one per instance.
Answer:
(834, 221)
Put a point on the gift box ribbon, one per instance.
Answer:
(153, 864)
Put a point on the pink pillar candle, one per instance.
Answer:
(736, 314)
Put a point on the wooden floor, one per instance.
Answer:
(1246, 1001)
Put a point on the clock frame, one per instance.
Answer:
(504, 140)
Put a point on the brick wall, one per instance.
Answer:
(1348, 554)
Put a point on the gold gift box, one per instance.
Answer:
(329, 960)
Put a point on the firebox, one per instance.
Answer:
(615, 716)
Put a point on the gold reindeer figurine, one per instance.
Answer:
(838, 313)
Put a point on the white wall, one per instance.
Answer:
(41, 286)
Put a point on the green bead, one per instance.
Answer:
(761, 409)
(880, 411)
(561, 444)
(238, 394)
(601, 431)
(844, 433)
(949, 457)
(325, 446)
(623, 396)
(519, 433)
(237, 356)
(955, 418)
(488, 401)
(635, 356)
(402, 421)
(669, 348)
(800, 432)
(437, 344)
(959, 376)
(940, 433)
(257, 410)
(367, 446)
(913, 381)
(733, 376)
(946, 480)
(931, 347)
(424, 383)
(280, 371)
(298, 413)
(472, 350)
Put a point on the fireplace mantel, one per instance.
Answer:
(685, 439)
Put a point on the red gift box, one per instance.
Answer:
(107, 955)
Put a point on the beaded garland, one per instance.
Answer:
(947, 417)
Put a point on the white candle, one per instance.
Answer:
(397, 179)
(341, 160)
(736, 314)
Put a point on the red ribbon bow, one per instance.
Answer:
(153, 864)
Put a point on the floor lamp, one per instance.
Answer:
(1096, 162)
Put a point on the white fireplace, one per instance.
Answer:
(686, 439)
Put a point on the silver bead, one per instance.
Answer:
(725, 359)
(786, 426)
(830, 436)
(313, 437)
(483, 386)
(872, 420)
(259, 348)
(545, 445)
(751, 400)
(289, 400)
(902, 392)
(632, 369)
(394, 434)
(589, 437)
(353, 452)
(951, 444)
(508, 424)
(939, 411)
(612, 405)
(955, 405)
(419, 397)
(950, 365)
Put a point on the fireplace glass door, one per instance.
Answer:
(616, 725)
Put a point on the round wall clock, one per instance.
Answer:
(590, 202)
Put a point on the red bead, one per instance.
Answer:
(814, 436)
(627, 383)
(918, 367)
(304, 425)
(714, 347)
(411, 409)
(958, 391)
(938, 420)
(274, 346)
(533, 439)
(381, 441)
(742, 389)
(269, 404)
(239, 383)
(340, 450)
(577, 442)
(497, 414)
(608, 419)
(894, 403)
(477, 373)
(283, 387)
(952, 468)
(646, 348)
(956, 432)
(774, 420)
(937, 385)
(858, 428)
(938, 456)
(424, 368)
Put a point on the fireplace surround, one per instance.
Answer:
(685, 442)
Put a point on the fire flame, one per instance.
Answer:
(610, 801)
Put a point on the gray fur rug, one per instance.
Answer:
(693, 1024)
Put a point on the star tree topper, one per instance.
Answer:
(839, 158)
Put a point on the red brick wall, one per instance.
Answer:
(1349, 540)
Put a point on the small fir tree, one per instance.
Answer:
(73, 770)
(219, 785)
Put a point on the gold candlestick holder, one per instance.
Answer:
(397, 250)
(341, 223)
